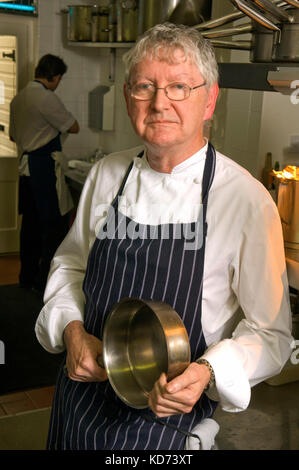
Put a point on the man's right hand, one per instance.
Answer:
(84, 352)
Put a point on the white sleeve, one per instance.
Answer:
(261, 343)
(64, 299)
(55, 113)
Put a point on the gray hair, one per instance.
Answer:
(160, 43)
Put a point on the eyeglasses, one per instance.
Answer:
(173, 91)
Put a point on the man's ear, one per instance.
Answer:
(211, 102)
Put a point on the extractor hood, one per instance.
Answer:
(280, 77)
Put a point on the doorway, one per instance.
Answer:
(9, 219)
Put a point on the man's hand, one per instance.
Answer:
(180, 395)
(84, 352)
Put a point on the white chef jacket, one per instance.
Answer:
(244, 263)
(37, 115)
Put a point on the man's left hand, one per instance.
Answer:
(180, 394)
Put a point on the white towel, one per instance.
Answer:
(206, 431)
(63, 193)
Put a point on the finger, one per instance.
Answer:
(164, 404)
(168, 408)
(187, 379)
(87, 371)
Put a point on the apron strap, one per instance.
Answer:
(151, 419)
(119, 193)
(209, 172)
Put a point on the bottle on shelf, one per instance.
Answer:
(267, 174)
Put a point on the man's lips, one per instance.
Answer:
(164, 121)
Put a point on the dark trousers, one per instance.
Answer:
(39, 239)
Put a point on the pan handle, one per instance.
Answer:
(254, 14)
(219, 21)
(218, 33)
(294, 3)
(269, 7)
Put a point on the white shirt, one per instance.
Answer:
(244, 263)
(36, 116)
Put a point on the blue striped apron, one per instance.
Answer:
(90, 415)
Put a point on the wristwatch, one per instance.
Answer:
(206, 363)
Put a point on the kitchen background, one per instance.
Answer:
(245, 132)
(247, 124)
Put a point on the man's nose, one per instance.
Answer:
(160, 99)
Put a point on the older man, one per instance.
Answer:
(175, 181)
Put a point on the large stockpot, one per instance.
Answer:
(79, 22)
(142, 339)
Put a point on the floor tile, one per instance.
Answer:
(18, 406)
(11, 397)
(42, 397)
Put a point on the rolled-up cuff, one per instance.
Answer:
(49, 328)
(231, 389)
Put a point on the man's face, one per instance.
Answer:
(161, 122)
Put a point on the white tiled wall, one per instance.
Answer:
(87, 68)
(279, 129)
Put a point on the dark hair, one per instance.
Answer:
(49, 66)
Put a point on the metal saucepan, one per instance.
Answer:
(141, 340)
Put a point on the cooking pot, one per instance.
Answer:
(100, 24)
(79, 22)
(286, 46)
(142, 339)
(262, 44)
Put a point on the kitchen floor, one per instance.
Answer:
(19, 402)
(271, 422)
